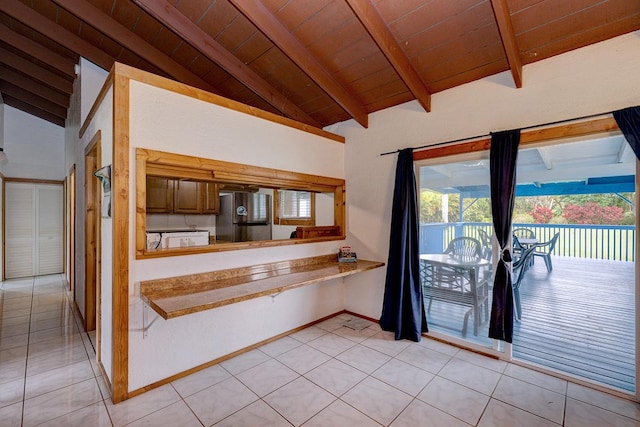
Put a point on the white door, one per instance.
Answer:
(33, 229)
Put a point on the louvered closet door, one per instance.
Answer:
(19, 229)
(49, 218)
(33, 229)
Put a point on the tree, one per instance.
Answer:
(593, 213)
(542, 214)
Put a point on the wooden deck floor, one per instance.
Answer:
(578, 319)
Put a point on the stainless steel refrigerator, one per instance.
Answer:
(244, 217)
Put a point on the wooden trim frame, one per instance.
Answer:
(278, 220)
(170, 165)
(120, 249)
(173, 86)
(92, 226)
(527, 138)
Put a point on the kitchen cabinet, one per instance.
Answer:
(187, 197)
(159, 195)
(211, 198)
(166, 195)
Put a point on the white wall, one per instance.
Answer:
(101, 121)
(86, 87)
(167, 121)
(596, 79)
(34, 147)
(91, 77)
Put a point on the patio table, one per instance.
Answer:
(465, 291)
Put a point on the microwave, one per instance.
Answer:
(166, 239)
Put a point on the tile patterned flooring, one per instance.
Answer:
(324, 375)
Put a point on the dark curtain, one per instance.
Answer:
(503, 156)
(629, 122)
(402, 308)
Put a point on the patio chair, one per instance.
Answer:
(544, 250)
(520, 268)
(467, 247)
(517, 247)
(487, 245)
(524, 233)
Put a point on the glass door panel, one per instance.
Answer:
(456, 249)
(578, 296)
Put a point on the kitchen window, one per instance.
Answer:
(294, 207)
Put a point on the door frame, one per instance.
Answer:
(92, 229)
(71, 233)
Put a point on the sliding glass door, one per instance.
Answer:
(576, 207)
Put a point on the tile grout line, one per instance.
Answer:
(26, 357)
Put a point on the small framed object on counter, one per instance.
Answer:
(346, 255)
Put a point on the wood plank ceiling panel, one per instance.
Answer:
(284, 74)
(462, 41)
(543, 31)
(215, 20)
(334, 35)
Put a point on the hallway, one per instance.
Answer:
(324, 375)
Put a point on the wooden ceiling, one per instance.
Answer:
(316, 61)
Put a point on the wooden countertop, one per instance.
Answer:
(178, 296)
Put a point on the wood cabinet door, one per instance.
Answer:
(211, 198)
(159, 195)
(187, 198)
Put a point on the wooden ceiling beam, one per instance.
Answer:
(113, 29)
(32, 86)
(34, 111)
(374, 24)
(273, 29)
(29, 17)
(25, 66)
(508, 36)
(177, 22)
(36, 50)
(32, 99)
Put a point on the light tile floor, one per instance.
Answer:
(324, 375)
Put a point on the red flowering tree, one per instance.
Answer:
(593, 213)
(541, 214)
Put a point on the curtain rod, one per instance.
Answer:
(469, 138)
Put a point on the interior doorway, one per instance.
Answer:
(92, 234)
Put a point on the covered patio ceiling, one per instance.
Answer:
(589, 165)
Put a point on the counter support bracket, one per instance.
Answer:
(145, 318)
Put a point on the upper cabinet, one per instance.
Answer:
(211, 198)
(187, 197)
(159, 195)
(181, 196)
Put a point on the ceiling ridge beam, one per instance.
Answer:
(32, 19)
(177, 22)
(508, 36)
(275, 31)
(25, 66)
(33, 86)
(34, 111)
(36, 50)
(373, 23)
(99, 20)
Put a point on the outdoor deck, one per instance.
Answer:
(578, 319)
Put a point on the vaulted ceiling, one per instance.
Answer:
(316, 61)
